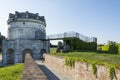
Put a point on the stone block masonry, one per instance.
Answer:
(81, 71)
(26, 33)
(31, 70)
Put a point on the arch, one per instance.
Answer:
(10, 56)
(26, 51)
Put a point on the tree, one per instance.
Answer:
(59, 47)
(113, 48)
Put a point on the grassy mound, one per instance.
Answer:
(91, 56)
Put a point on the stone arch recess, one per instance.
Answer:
(26, 51)
(10, 56)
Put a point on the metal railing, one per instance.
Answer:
(71, 35)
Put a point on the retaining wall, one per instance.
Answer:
(81, 71)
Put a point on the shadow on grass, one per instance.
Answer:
(5, 65)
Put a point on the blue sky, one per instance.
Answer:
(98, 18)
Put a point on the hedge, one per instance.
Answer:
(78, 44)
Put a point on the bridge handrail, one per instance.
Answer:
(72, 34)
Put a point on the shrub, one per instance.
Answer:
(70, 61)
(118, 48)
(113, 48)
(105, 48)
(112, 74)
(94, 69)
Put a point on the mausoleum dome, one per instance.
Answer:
(25, 25)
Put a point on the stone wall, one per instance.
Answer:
(20, 46)
(31, 70)
(81, 71)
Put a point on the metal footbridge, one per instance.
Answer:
(71, 35)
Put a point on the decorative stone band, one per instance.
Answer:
(25, 20)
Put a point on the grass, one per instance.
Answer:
(13, 72)
(100, 57)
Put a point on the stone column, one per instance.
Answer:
(4, 52)
(17, 54)
(18, 58)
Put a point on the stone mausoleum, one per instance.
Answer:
(26, 34)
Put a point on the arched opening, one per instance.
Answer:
(10, 56)
(26, 51)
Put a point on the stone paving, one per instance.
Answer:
(51, 73)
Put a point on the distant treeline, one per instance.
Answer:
(111, 47)
(1, 38)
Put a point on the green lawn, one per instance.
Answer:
(13, 72)
(99, 57)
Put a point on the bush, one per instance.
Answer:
(118, 48)
(113, 48)
(70, 61)
(94, 69)
(105, 48)
(112, 73)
